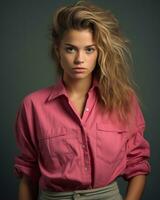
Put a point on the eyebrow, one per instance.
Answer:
(91, 45)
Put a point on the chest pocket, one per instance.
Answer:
(110, 146)
(60, 147)
(63, 145)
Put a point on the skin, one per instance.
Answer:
(28, 190)
(135, 187)
(77, 49)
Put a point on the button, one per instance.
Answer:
(86, 168)
(87, 109)
(83, 146)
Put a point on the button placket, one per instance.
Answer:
(86, 167)
(85, 152)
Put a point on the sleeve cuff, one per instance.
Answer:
(138, 169)
(33, 174)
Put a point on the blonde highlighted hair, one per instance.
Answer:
(114, 59)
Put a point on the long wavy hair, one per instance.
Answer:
(114, 58)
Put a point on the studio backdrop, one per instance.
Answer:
(26, 66)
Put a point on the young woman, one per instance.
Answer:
(78, 136)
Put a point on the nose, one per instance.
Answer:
(79, 57)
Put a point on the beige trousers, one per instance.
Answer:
(110, 192)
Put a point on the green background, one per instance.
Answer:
(26, 66)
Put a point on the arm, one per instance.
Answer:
(135, 187)
(26, 164)
(27, 189)
(138, 154)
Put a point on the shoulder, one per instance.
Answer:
(136, 110)
(37, 97)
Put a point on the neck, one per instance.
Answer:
(77, 87)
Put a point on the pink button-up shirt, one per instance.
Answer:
(67, 152)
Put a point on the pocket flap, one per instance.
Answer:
(110, 128)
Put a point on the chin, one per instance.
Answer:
(80, 76)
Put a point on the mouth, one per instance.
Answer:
(79, 69)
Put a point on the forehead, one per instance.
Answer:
(78, 37)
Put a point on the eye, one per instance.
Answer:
(70, 49)
(90, 50)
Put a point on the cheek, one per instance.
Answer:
(65, 59)
(93, 60)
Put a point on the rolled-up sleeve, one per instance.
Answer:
(26, 163)
(137, 147)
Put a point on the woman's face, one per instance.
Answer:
(78, 54)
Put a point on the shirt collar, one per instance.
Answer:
(94, 84)
(60, 90)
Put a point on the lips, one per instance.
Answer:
(79, 69)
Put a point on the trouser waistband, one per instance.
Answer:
(110, 192)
